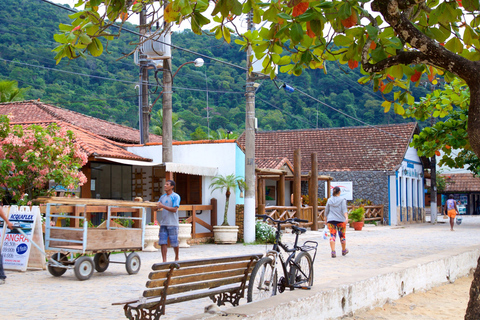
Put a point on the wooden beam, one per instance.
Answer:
(297, 183)
(313, 191)
(281, 191)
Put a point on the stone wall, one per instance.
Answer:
(239, 216)
(368, 185)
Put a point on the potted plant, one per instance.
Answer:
(357, 217)
(226, 233)
(184, 233)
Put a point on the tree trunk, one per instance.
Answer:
(225, 215)
(473, 308)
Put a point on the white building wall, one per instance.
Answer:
(214, 155)
(406, 191)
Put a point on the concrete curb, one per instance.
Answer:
(360, 291)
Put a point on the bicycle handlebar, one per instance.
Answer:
(289, 220)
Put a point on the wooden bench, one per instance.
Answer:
(221, 279)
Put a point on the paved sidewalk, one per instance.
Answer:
(38, 295)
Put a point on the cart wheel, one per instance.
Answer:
(83, 268)
(57, 271)
(133, 263)
(101, 261)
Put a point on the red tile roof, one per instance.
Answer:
(461, 182)
(370, 148)
(25, 111)
(94, 145)
(273, 163)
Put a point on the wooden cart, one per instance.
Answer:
(75, 244)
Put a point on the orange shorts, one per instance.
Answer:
(452, 213)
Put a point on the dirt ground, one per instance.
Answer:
(448, 301)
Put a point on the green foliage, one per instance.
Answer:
(9, 91)
(357, 215)
(264, 233)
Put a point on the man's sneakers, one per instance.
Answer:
(344, 252)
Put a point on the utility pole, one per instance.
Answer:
(144, 114)
(167, 153)
(249, 208)
(433, 179)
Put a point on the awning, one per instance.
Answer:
(130, 162)
(190, 169)
(169, 166)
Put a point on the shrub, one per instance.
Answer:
(264, 233)
(357, 215)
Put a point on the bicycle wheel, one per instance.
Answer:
(263, 281)
(303, 274)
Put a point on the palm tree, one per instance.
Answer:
(227, 182)
(177, 131)
(9, 91)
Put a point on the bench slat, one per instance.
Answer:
(193, 286)
(198, 277)
(182, 298)
(156, 275)
(201, 262)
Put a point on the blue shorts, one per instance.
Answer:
(168, 232)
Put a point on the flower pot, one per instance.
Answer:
(184, 233)
(151, 236)
(225, 234)
(357, 225)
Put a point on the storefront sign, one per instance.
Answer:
(16, 248)
(346, 189)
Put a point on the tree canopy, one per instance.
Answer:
(397, 43)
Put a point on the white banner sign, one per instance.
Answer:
(346, 189)
(16, 247)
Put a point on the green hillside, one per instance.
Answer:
(104, 87)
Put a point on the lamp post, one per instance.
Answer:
(167, 155)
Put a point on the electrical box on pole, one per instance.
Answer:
(158, 46)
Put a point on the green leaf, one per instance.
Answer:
(285, 16)
(471, 5)
(65, 27)
(386, 106)
(226, 34)
(95, 47)
(388, 88)
(284, 60)
(454, 45)
(342, 41)
(296, 32)
(85, 39)
(441, 35)
(60, 38)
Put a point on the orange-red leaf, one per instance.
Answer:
(124, 16)
(350, 21)
(390, 77)
(431, 75)
(382, 86)
(373, 45)
(300, 9)
(437, 153)
(447, 146)
(310, 32)
(352, 64)
(416, 76)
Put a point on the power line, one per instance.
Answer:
(165, 43)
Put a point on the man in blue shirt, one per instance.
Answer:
(169, 203)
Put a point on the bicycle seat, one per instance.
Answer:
(298, 229)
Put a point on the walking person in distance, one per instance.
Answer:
(336, 217)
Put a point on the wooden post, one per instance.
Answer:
(328, 189)
(297, 181)
(76, 212)
(194, 221)
(313, 190)
(281, 191)
(213, 218)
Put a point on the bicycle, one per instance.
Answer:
(297, 268)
